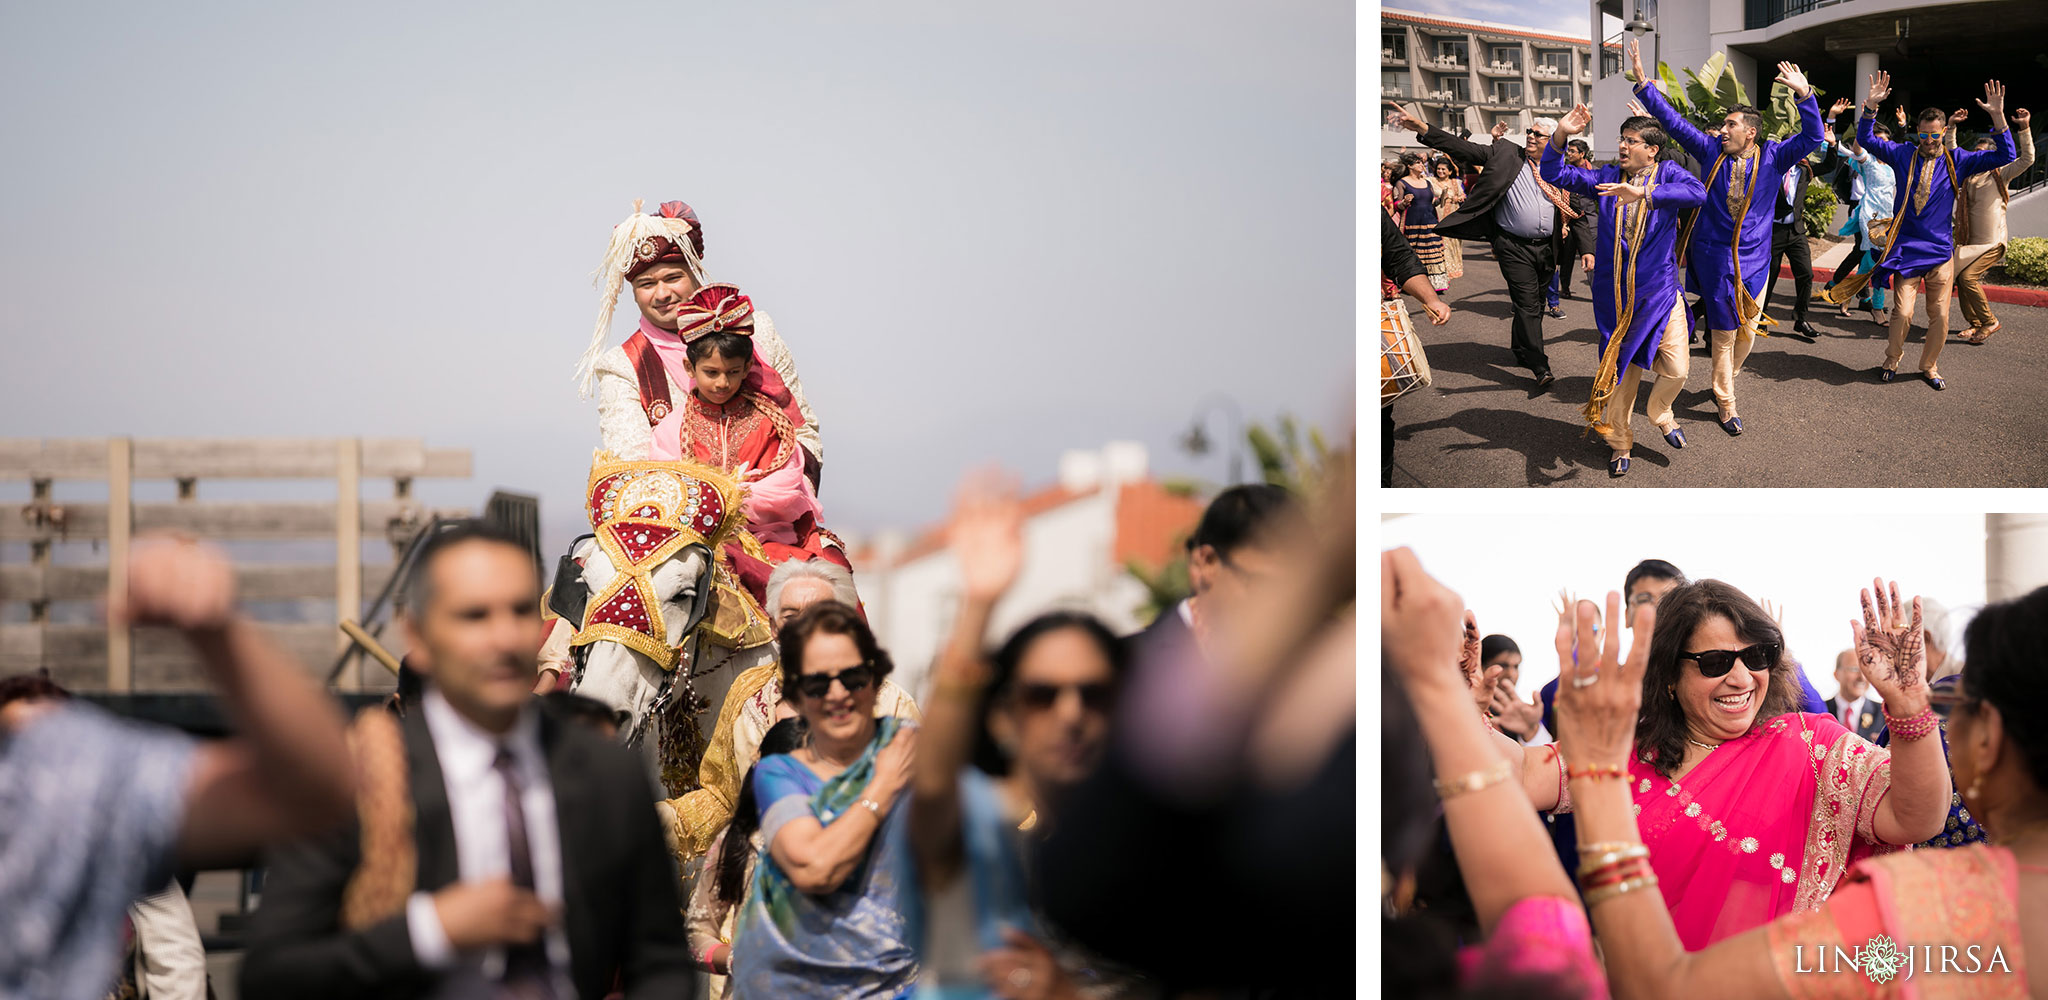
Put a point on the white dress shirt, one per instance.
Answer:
(476, 804)
(1855, 709)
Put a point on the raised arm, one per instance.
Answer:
(1811, 128)
(2023, 138)
(1596, 715)
(1866, 122)
(1500, 845)
(988, 538)
(1553, 168)
(1701, 146)
(1892, 653)
(1978, 161)
(287, 772)
(1435, 138)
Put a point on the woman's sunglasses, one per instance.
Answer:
(1039, 697)
(1716, 662)
(854, 679)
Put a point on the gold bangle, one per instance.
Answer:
(1475, 781)
(1605, 893)
(1607, 847)
(1610, 858)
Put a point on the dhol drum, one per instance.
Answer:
(1403, 366)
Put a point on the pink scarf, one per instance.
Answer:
(1765, 826)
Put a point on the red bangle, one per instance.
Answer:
(1917, 726)
(1598, 771)
(710, 950)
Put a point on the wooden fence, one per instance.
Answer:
(100, 658)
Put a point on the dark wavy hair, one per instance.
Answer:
(2005, 646)
(1660, 727)
(731, 346)
(36, 686)
(731, 863)
(830, 618)
(1004, 663)
(1750, 117)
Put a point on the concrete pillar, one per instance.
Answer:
(2015, 554)
(1866, 67)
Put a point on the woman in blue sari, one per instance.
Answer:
(834, 908)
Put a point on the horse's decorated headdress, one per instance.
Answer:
(644, 513)
(639, 243)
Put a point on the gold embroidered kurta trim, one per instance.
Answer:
(1850, 779)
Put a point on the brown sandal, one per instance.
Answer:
(1985, 335)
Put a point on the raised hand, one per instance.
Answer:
(1880, 88)
(1636, 108)
(1419, 620)
(1957, 118)
(987, 534)
(1499, 129)
(1892, 650)
(176, 582)
(1635, 62)
(1598, 692)
(1994, 98)
(1841, 104)
(1791, 76)
(1468, 662)
(1405, 120)
(1623, 194)
(2020, 117)
(1899, 113)
(1776, 613)
(1574, 121)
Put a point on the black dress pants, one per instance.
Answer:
(1785, 243)
(1527, 268)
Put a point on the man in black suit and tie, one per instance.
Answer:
(531, 863)
(1529, 223)
(1856, 707)
(1788, 239)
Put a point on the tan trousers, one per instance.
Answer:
(1970, 288)
(1670, 366)
(1940, 283)
(1731, 349)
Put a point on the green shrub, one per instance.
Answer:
(1819, 209)
(2026, 259)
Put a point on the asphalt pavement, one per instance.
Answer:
(1813, 411)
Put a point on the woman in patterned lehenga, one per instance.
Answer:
(1418, 206)
(1450, 193)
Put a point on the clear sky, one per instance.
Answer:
(1563, 16)
(1508, 568)
(988, 231)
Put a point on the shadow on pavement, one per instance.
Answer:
(1553, 451)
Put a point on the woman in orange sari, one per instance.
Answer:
(1928, 924)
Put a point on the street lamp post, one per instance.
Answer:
(1195, 440)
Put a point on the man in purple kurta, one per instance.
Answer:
(1731, 242)
(1924, 205)
(1636, 304)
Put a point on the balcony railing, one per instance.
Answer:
(1390, 56)
(1545, 71)
(1446, 62)
(1764, 13)
(1501, 69)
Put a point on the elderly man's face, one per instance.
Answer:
(799, 594)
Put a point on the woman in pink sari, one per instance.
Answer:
(1921, 924)
(1752, 809)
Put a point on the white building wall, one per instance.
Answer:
(1066, 566)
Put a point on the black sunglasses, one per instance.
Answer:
(1716, 662)
(1039, 697)
(854, 679)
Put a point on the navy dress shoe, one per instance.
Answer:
(1937, 381)
(1676, 436)
(1617, 467)
(1733, 425)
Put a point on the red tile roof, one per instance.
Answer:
(1151, 524)
(1482, 26)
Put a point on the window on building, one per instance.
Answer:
(1458, 87)
(1393, 45)
(1557, 94)
(1558, 61)
(1507, 91)
(1394, 83)
(1453, 50)
(1610, 62)
(1506, 55)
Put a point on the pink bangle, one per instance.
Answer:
(712, 949)
(1917, 726)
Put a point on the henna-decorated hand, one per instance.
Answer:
(1468, 663)
(1892, 650)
